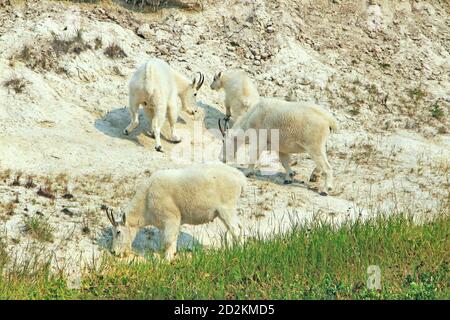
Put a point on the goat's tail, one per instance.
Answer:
(149, 77)
(334, 127)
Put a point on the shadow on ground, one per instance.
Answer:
(278, 178)
(148, 239)
(116, 120)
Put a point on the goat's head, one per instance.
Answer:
(189, 98)
(217, 82)
(122, 233)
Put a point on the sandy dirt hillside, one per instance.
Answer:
(380, 67)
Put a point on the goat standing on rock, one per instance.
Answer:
(156, 85)
(192, 195)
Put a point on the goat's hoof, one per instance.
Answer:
(292, 174)
(159, 149)
(323, 193)
(125, 132)
(176, 139)
(287, 181)
(250, 174)
(313, 178)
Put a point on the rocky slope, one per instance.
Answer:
(381, 67)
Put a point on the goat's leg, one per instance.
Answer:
(227, 108)
(173, 117)
(231, 221)
(157, 123)
(320, 158)
(315, 175)
(133, 108)
(169, 238)
(285, 160)
(150, 114)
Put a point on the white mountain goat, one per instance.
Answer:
(193, 195)
(156, 85)
(240, 91)
(303, 127)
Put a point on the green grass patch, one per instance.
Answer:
(436, 111)
(315, 262)
(417, 94)
(38, 228)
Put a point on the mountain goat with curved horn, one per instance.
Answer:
(193, 195)
(302, 127)
(156, 85)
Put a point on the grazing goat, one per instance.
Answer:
(156, 86)
(240, 91)
(192, 195)
(303, 127)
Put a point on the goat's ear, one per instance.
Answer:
(124, 218)
(219, 75)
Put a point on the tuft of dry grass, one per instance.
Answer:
(9, 208)
(30, 183)
(85, 226)
(5, 175)
(364, 154)
(16, 181)
(17, 84)
(39, 228)
(98, 43)
(114, 51)
(47, 54)
(416, 94)
(76, 44)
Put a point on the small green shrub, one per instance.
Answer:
(39, 228)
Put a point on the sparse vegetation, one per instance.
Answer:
(4, 257)
(436, 111)
(9, 208)
(16, 181)
(38, 228)
(364, 153)
(98, 43)
(416, 94)
(154, 5)
(5, 175)
(46, 56)
(17, 84)
(114, 51)
(30, 183)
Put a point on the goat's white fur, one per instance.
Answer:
(193, 195)
(155, 85)
(303, 127)
(240, 91)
